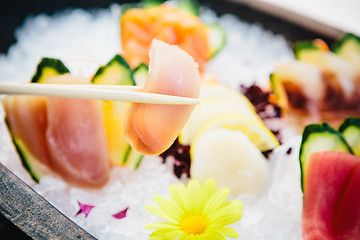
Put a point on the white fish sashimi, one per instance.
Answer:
(152, 128)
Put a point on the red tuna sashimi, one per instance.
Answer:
(152, 128)
(347, 224)
(331, 207)
(26, 116)
(76, 140)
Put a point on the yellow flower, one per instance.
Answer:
(195, 212)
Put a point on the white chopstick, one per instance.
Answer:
(88, 91)
(82, 86)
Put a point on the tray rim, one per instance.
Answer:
(294, 17)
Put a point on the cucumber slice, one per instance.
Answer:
(34, 167)
(348, 48)
(317, 138)
(49, 67)
(133, 159)
(190, 6)
(350, 130)
(140, 74)
(347, 44)
(217, 38)
(115, 72)
(303, 47)
(118, 72)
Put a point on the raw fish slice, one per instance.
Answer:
(331, 197)
(27, 118)
(76, 137)
(152, 128)
(347, 222)
(338, 74)
(76, 141)
(168, 24)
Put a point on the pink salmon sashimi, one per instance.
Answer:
(67, 135)
(76, 140)
(26, 116)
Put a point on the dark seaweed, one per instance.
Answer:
(260, 99)
(181, 155)
(263, 106)
(289, 151)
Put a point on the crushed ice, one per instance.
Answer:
(248, 57)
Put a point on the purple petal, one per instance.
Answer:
(121, 214)
(84, 208)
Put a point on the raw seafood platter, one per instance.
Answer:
(270, 151)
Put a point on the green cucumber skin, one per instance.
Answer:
(318, 128)
(54, 63)
(337, 46)
(132, 157)
(126, 156)
(116, 59)
(350, 121)
(142, 70)
(136, 159)
(139, 161)
(22, 156)
(350, 129)
(61, 69)
(190, 6)
(313, 129)
(220, 30)
(300, 46)
(141, 67)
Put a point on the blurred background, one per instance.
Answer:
(329, 17)
(13, 14)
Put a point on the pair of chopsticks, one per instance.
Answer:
(89, 91)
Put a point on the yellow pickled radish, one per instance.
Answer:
(114, 120)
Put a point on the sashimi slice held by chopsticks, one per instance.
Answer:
(152, 128)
